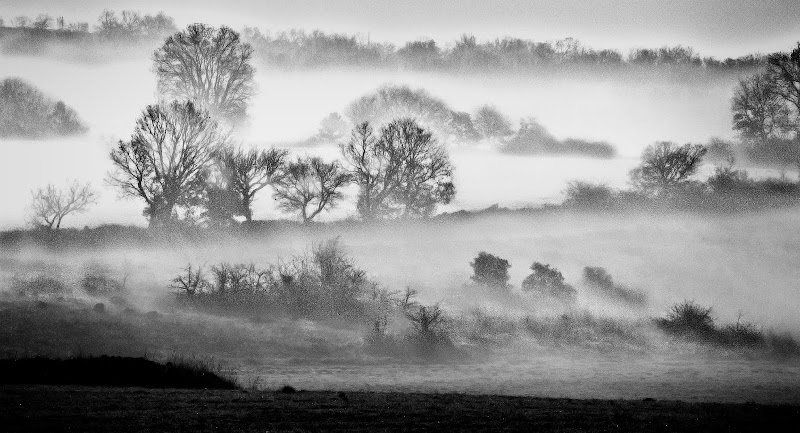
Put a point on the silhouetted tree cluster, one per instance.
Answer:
(25, 112)
(401, 172)
(168, 158)
(548, 282)
(766, 109)
(298, 49)
(533, 138)
(490, 270)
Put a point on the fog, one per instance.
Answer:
(741, 266)
(289, 107)
(502, 339)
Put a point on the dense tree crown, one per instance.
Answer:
(208, 66)
(665, 165)
(490, 270)
(402, 172)
(166, 160)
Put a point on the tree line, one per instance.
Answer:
(297, 49)
(128, 24)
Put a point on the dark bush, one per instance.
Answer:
(600, 280)
(689, 319)
(287, 389)
(692, 321)
(490, 270)
(548, 282)
(323, 284)
(586, 195)
(534, 139)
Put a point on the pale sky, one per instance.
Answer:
(713, 27)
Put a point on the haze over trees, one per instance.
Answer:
(208, 66)
(26, 112)
(50, 205)
(394, 102)
(533, 138)
(403, 172)
(310, 185)
(490, 123)
(167, 159)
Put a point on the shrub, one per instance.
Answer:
(548, 282)
(586, 195)
(490, 270)
(600, 280)
(690, 319)
(429, 338)
(38, 285)
(534, 139)
(726, 179)
(97, 281)
(323, 284)
(742, 334)
(583, 329)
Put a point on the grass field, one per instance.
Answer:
(53, 408)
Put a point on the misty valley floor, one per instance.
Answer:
(74, 408)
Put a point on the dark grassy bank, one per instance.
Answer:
(114, 371)
(50, 408)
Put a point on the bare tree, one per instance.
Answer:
(208, 66)
(309, 186)
(665, 165)
(425, 176)
(404, 172)
(166, 160)
(759, 112)
(50, 205)
(785, 68)
(373, 169)
(244, 173)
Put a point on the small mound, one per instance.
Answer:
(534, 139)
(26, 112)
(112, 371)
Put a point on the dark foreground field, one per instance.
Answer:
(75, 408)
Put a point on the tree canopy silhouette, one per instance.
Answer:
(245, 173)
(208, 66)
(167, 158)
(309, 186)
(666, 164)
(403, 172)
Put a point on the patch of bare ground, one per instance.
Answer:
(77, 408)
